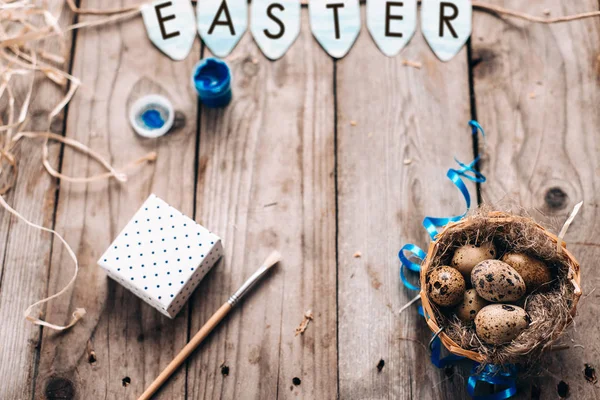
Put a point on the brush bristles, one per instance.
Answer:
(272, 259)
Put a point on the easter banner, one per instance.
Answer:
(335, 24)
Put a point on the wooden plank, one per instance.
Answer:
(536, 89)
(116, 64)
(398, 129)
(25, 252)
(266, 181)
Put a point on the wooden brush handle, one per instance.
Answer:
(186, 351)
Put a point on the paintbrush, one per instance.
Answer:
(271, 260)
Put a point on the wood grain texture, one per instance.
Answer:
(537, 94)
(116, 64)
(25, 252)
(266, 181)
(398, 128)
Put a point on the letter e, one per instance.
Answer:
(162, 19)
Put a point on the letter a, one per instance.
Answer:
(221, 24)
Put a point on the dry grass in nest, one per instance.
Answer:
(551, 309)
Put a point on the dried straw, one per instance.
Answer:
(24, 26)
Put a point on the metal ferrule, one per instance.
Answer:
(237, 296)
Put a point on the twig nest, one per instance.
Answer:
(445, 286)
(497, 281)
(468, 256)
(534, 272)
(501, 323)
(471, 304)
(501, 333)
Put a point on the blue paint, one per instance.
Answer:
(152, 119)
(212, 81)
(151, 116)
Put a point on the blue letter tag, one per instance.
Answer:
(335, 24)
(170, 26)
(221, 24)
(392, 23)
(275, 24)
(446, 25)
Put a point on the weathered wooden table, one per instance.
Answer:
(319, 159)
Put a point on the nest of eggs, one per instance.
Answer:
(498, 289)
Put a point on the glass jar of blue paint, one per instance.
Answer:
(212, 80)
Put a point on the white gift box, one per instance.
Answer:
(161, 255)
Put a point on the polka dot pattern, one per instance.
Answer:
(161, 256)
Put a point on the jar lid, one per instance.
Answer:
(152, 116)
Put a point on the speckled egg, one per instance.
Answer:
(501, 323)
(445, 286)
(468, 256)
(535, 273)
(470, 306)
(497, 281)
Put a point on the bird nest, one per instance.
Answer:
(551, 310)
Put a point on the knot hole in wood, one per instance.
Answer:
(59, 388)
(484, 62)
(556, 198)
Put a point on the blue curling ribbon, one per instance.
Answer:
(436, 351)
(491, 373)
(466, 171)
(495, 375)
(431, 224)
(417, 252)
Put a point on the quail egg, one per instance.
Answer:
(445, 286)
(501, 323)
(535, 273)
(497, 281)
(470, 306)
(468, 256)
